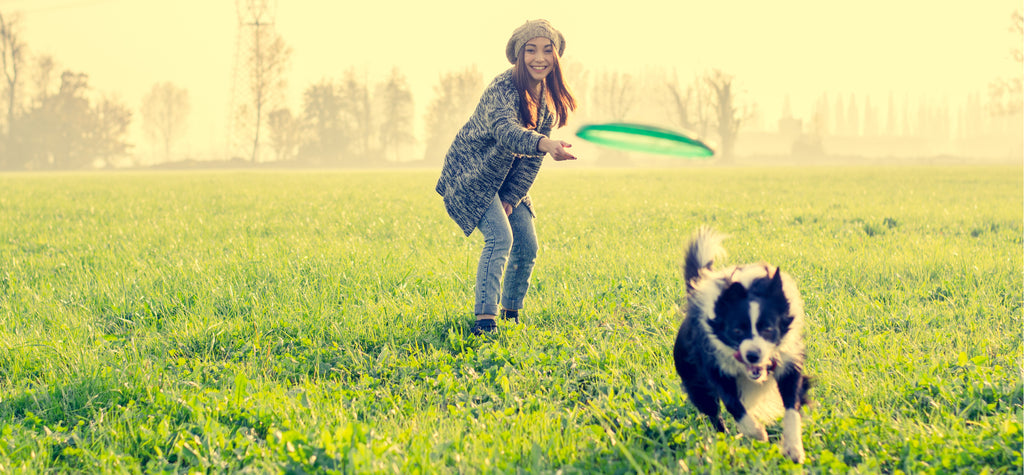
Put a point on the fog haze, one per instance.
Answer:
(781, 54)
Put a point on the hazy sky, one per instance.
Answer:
(797, 47)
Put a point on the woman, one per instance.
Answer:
(494, 160)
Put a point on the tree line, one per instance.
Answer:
(54, 128)
(56, 121)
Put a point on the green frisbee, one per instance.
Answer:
(644, 138)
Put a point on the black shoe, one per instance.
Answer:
(512, 315)
(480, 327)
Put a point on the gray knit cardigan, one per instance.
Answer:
(492, 154)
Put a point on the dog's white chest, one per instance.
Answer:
(761, 400)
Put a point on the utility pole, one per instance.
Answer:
(250, 85)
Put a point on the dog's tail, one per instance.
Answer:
(704, 248)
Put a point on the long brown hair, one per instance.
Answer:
(556, 93)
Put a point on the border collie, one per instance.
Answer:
(741, 343)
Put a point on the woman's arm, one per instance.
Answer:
(509, 132)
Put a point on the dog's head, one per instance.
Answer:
(751, 320)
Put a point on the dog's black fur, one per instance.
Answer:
(741, 344)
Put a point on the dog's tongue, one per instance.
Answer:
(754, 370)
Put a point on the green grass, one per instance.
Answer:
(307, 321)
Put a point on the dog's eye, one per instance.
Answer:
(768, 333)
(737, 332)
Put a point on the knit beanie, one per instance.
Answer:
(530, 30)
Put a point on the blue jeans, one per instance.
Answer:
(508, 239)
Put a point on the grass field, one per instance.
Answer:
(317, 321)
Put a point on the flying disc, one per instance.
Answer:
(644, 138)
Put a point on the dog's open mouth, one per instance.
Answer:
(756, 372)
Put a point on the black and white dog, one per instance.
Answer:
(741, 343)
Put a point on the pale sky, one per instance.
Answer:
(800, 48)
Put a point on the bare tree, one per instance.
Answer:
(613, 95)
(357, 117)
(42, 77)
(1017, 28)
(111, 119)
(321, 116)
(67, 118)
(12, 57)
(693, 108)
(24, 145)
(265, 62)
(681, 102)
(730, 115)
(1005, 93)
(577, 78)
(64, 130)
(285, 134)
(455, 95)
(165, 110)
(396, 110)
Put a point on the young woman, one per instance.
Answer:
(494, 160)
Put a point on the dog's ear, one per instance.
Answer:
(777, 294)
(775, 289)
(732, 295)
(736, 291)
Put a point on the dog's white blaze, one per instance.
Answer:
(755, 342)
(763, 347)
(761, 397)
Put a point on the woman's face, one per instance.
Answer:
(539, 58)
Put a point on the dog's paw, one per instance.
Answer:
(793, 449)
(753, 429)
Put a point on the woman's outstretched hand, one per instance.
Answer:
(555, 148)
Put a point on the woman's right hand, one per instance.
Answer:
(555, 148)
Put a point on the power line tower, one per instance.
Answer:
(255, 20)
